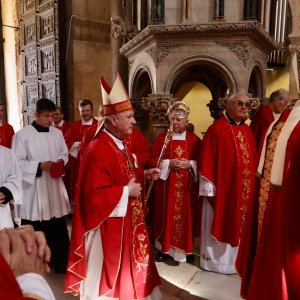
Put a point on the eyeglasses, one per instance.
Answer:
(241, 103)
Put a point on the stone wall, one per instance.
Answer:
(88, 51)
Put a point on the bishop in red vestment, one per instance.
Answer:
(227, 170)
(6, 131)
(110, 254)
(74, 137)
(269, 255)
(176, 206)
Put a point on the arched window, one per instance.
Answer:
(252, 10)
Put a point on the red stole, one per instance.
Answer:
(228, 160)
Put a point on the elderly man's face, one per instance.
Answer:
(238, 107)
(123, 123)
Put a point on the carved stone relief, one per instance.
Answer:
(160, 51)
(28, 5)
(47, 60)
(30, 65)
(29, 33)
(47, 26)
(240, 50)
(48, 91)
(32, 94)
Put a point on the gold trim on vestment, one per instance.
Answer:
(265, 184)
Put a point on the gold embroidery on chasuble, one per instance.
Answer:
(244, 158)
(178, 152)
(266, 174)
(139, 237)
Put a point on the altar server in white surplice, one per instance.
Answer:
(10, 185)
(42, 153)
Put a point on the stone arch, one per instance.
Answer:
(198, 64)
(141, 83)
(256, 81)
(214, 73)
(142, 63)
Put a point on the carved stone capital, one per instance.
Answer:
(122, 29)
(157, 106)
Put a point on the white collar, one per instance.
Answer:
(179, 136)
(59, 124)
(117, 141)
(89, 122)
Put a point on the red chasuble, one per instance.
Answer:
(64, 128)
(135, 141)
(228, 161)
(129, 271)
(261, 122)
(6, 134)
(270, 268)
(9, 287)
(176, 208)
(75, 134)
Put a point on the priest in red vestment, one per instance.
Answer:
(227, 172)
(176, 208)
(74, 137)
(59, 122)
(110, 255)
(267, 113)
(269, 255)
(6, 130)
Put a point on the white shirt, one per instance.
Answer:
(10, 177)
(43, 197)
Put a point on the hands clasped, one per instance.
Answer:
(180, 164)
(25, 250)
(134, 188)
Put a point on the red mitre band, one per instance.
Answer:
(111, 109)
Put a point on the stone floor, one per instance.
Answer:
(179, 281)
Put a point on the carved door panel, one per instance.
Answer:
(40, 54)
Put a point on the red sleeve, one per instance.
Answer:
(9, 287)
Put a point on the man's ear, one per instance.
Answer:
(113, 119)
(36, 114)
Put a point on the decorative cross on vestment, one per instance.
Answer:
(179, 151)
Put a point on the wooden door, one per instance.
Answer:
(40, 54)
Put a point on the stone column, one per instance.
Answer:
(186, 11)
(156, 105)
(294, 67)
(119, 63)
